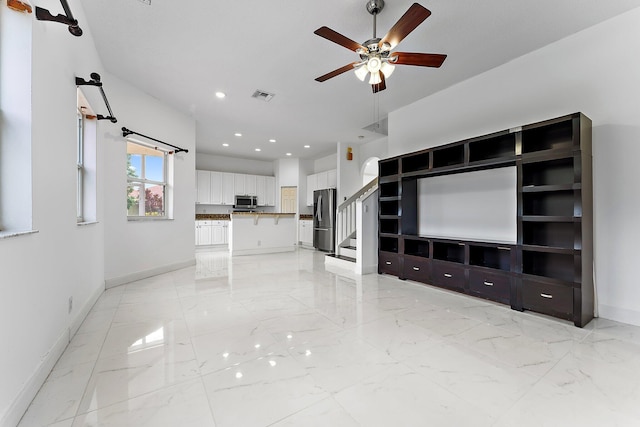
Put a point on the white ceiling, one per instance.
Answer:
(183, 52)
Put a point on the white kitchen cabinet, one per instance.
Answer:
(270, 191)
(238, 184)
(203, 187)
(261, 190)
(322, 180)
(311, 187)
(216, 188)
(228, 189)
(250, 185)
(203, 233)
(217, 233)
(332, 178)
(305, 233)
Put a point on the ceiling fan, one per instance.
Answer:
(376, 56)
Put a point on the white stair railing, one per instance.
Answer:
(346, 214)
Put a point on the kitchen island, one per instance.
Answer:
(259, 233)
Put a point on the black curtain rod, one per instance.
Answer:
(95, 81)
(126, 132)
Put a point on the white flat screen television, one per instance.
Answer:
(477, 205)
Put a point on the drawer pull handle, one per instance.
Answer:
(488, 283)
(504, 248)
(416, 268)
(546, 296)
(447, 275)
(388, 262)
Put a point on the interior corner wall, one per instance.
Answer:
(593, 72)
(136, 249)
(39, 272)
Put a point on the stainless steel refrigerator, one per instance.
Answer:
(324, 219)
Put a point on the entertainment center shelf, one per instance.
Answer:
(548, 266)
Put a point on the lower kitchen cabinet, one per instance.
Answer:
(211, 232)
(305, 232)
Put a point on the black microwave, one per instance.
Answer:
(246, 202)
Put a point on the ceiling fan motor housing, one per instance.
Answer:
(375, 6)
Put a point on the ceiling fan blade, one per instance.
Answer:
(380, 86)
(337, 72)
(338, 38)
(419, 59)
(407, 23)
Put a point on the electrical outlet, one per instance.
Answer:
(70, 304)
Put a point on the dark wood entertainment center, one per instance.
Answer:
(549, 269)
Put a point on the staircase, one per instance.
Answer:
(357, 232)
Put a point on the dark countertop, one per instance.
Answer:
(306, 216)
(215, 217)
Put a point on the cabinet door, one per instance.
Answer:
(322, 180)
(197, 228)
(217, 233)
(203, 187)
(332, 178)
(216, 188)
(250, 185)
(238, 184)
(271, 191)
(228, 189)
(261, 190)
(307, 227)
(311, 187)
(204, 233)
(225, 232)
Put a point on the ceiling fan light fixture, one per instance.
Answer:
(373, 64)
(361, 72)
(387, 69)
(375, 79)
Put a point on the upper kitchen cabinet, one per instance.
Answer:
(228, 188)
(203, 187)
(271, 191)
(320, 181)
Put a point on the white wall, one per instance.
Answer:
(596, 72)
(324, 163)
(135, 249)
(212, 162)
(40, 272)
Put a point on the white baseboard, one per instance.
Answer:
(84, 311)
(20, 404)
(139, 275)
(623, 315)
(259, 251)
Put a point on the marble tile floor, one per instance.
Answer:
(276, 340)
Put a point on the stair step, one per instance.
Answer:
(349, 247)
(342, 257)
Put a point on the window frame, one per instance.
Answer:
(80, 168)
(142, 182)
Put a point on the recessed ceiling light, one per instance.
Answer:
(307, 146)
(225, 145)
(272, 140)
(257, 149)
(288, 154)
(220, 95)
(237, 134)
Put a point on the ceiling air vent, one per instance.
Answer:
(262, 95)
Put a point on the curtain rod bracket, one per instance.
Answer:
(126, 132)
(66, 19)
(95, 81)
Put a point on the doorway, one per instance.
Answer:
(288, 199)
(369, 170)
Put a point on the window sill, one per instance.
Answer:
(147, 218)
(82, 224)
(10, 234)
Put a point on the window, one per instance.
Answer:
(80, 165)
(146, 181)
(86, 164)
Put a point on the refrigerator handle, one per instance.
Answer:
(319, 208)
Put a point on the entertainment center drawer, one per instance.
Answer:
(388, 262)
(493, 286)
(417, 268)
(448, 275)
(555, 300)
